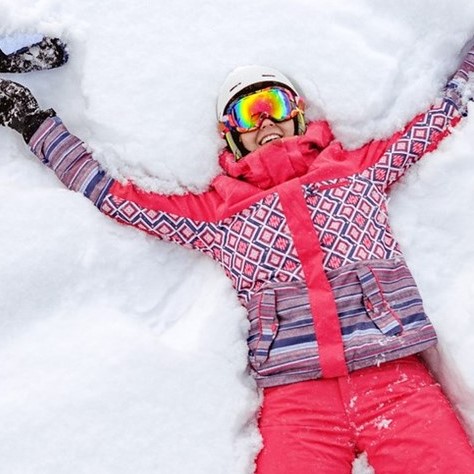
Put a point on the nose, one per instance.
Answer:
(267, 122)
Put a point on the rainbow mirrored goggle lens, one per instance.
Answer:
(247, 113)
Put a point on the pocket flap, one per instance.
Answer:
(267, 316)
(263, 327)
(376, 305)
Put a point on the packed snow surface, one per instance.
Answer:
(119, 353)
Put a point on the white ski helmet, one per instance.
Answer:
(243, 78)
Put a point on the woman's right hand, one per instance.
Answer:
(19, 110)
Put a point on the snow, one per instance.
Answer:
(14, 42)
(119, 353)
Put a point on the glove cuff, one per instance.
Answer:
(32, 122)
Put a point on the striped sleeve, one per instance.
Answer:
(70, 160)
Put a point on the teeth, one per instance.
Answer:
(269, 138)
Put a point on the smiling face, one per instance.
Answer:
(266, 133)
(254, 113)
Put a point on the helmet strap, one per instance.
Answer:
(236, 147)
(300, 124)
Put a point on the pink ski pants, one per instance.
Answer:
(396, 413)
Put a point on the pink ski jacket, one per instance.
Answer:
(300, 226)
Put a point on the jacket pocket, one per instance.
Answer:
(376, 305)
(263, 327)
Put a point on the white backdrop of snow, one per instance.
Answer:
(119, 353)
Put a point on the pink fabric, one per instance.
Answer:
(396, 413)
(294, 156)
(327, 326)
(315, 152)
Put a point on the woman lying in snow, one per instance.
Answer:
(300, 226)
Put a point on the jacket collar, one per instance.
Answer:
(280, 160)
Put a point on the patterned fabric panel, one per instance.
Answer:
(166, 226)
(257, 247)
(350, 215)
(254, 246)
(375, 299)
(423, 136)
(282, 337)
(380, 312)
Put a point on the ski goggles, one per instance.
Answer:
(248, 112)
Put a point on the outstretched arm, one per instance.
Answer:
(73, 165)
(174, 218)
(427, 130)
(70, 160)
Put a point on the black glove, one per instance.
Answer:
(19, 110)
(49, 53)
